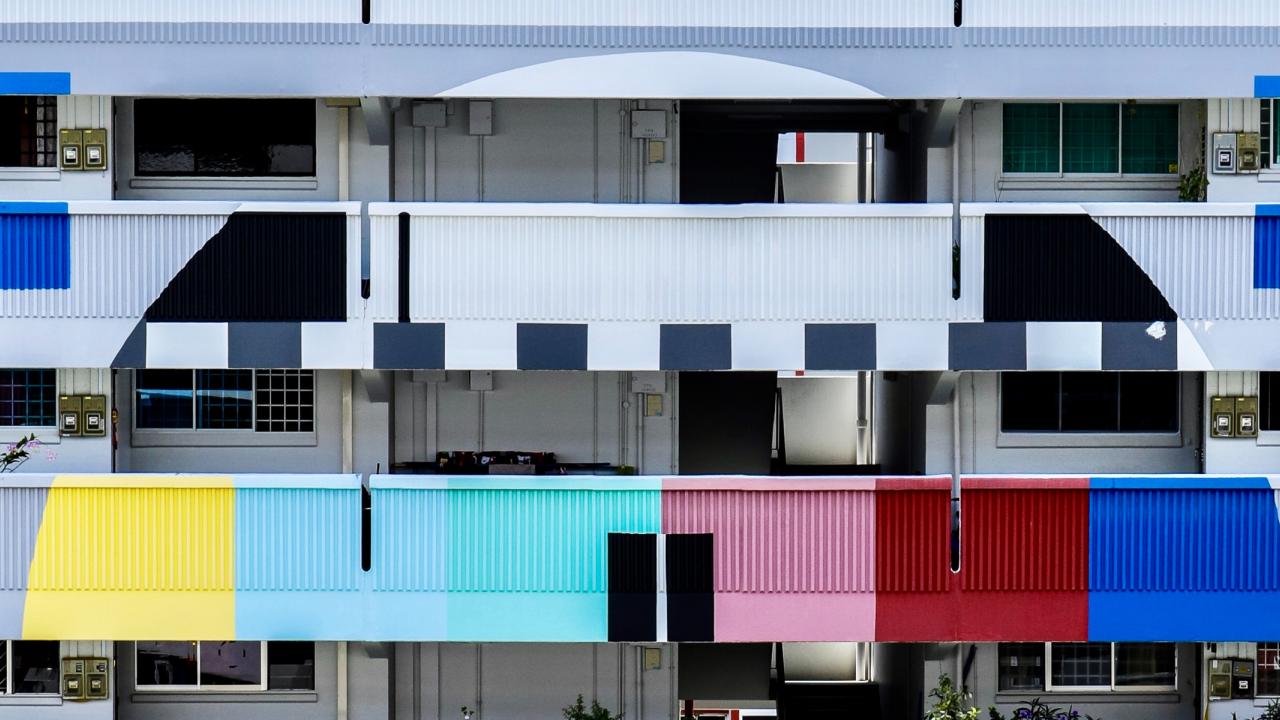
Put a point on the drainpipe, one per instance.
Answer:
(955, 211)
(342, 681)
(955, 475)
(344, 154)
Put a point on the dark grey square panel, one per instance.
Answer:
(551, 346)
(696, 347)
(1134, 346)
(987, 346)
(133, 354)
(264, 345)
(840, 346)
(408, 346)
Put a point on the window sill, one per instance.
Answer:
(220, 438)
(269, 696)
(1269, 438)
(224, 183)
(1076, 182)
(1088, 440)
(1096, 697)
(46, 435)
(30, 700)
(21, 174)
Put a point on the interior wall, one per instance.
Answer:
(726, 422)
(68, 454)
(1237, 115)
(1236, 455)
(820, 419)
(47, 708)
(893, 423)
(75, 112)
(514, 681)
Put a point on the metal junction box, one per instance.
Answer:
(1241, 679)
(73, 683)
(1246, 410)
(70, 410)
(95, 149)
(71, 147)
(1248, 152)
(1222, 417)
(93, 415)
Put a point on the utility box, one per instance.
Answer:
(649, 124)
(1241, 679)
(71, 145)
(97, 678)
(95, 149)
(1248, 152)
(1222, 417)
(70, 411)
(480, 117)
(73, 679)
(93, 415)
(1219, 679)
(1246, 411)
(1224, 153)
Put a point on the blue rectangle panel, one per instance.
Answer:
(35, 251)
(1266, 86)
(35, 83)
(1266, 250)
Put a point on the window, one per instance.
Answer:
(224, 666)
(28, 398)
(249, 400)
(1268, 669)
(29, 131)
(1094, 402)
(29, 667)
(1090, 138)
(224, 138)
(1269, 132)
(1268, 401)
(1087, 666)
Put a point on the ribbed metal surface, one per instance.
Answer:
(822, 541)
(679, 269)
(20, 512)
(306, 539)
(1266, 252)
(119, 264)
(1143, 36)
(1184, 540)
(913, 540)
(1020, 539)
(1095, 13)
(711, 13)
(180, 11)
(663, 36)
(136, 539)
(35, 252)
(1204, 265)
(410, 532)
(183, 33)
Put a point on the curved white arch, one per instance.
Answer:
(660, 75)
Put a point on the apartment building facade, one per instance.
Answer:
(393, 359)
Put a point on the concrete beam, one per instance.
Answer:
(378, 113)
(941, 122)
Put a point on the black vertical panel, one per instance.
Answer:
(633, 587)
(403, 276)
(1063, 268)
(726, 422)
(263, 267)
(690, 588)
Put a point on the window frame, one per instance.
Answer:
(224, 437)
(7, 429)
(1269, 133)
(8, 672)
(1258, 666)
(1118, 439)
(1050, 687)
(258, 688)
(1061, 174)
(50, 101)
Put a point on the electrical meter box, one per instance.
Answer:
(1224, 153)
(71, 144)
(648, 124)
(1219, 679)
(1241, 679)
(70, 410)
(1248, 152)
(1246, 417)
(93, 415)
(1222, 417)
(97, 678)
(95, 149)
(73, 684)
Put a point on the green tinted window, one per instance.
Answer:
(1031, 137)
(1150, 138)
(1090, 138)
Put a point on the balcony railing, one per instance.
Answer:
(577, 558)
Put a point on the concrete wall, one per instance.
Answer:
(1237, 455)
(83, 112)
(514, 681)
(1238, 115)
(980, 128)
(53, 708)
(279, 705)
(983, 449)
(820, 419)
(70, 454)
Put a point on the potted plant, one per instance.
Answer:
(950, 702)
(579, 711)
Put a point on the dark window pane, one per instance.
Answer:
(1031, 137)
(166, 663)
(291, 666)
(1268, 668)
(164, 399)
(28, 131)
(1091, 138)
(225, 137)
(28, 398)
(1269, 401)
(1149, 402)
(224, 399)
(35, 666)
(281, 406)
(1146, 664)
(1082, 664)
(1090, 402)
(1021, 666)
(230, 663)
(1150, 138)
(1029, 402)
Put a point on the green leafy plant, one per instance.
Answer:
(14, 454)
(1037, 710)
(1272, 712)
(1193, 184)
(951, 702)
(579, 711)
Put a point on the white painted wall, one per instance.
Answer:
(71, 454)
(516, 681)
(1237, 115)
(1237, 455)
(821, 420)
(82, 112)
(983, 451)
(46, 708)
